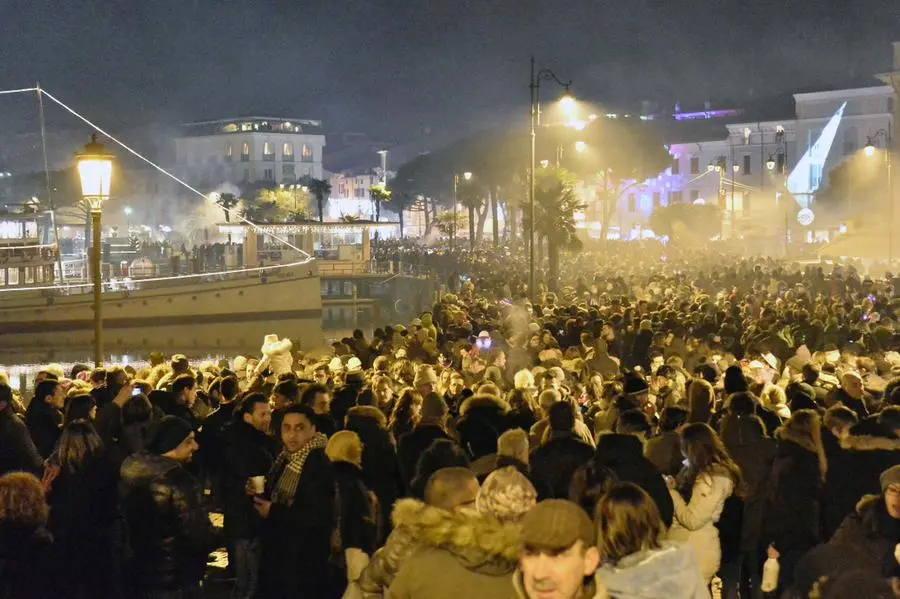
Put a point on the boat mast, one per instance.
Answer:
(40, 97)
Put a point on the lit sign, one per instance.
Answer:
(806, 217)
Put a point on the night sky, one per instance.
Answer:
(389, 67)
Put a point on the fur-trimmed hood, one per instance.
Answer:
(785, 434)
(481, 544)
(869, 443)
(484, 401)
(271, 345)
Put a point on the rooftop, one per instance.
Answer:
(252, 124)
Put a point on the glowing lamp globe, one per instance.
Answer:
(770, 164)
(567, 104)
(95, 171)
(870, 149)
(467, 176)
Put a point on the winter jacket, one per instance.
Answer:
(212, 445)
(296, 539)
(401, 543)
(695, 521)
(483, 418)
(44, 423)
(83, 517)
(358, 522)
(247, 453)
(555, 462)
(670, 572)
(864, 542)
(413, 444)
(19, 452)
(793, 511)
(854, 465)
(168, 530)
(622, 454)
(664, 451)
(27, 564)
(747, 444)
(460, 554)
(381, 472)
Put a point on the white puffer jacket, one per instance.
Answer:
(695, 522)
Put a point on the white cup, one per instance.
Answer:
(258, 484)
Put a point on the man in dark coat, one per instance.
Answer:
(248, 452)
(44, 416)
(168, 530)
(431, 426)
(623, 455)
(557, 459)
(482, 420)
(19, 452)
(211, 435)
(298, 511)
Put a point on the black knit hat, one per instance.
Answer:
(169, 433)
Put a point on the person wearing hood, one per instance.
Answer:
(448, 490)
(168, 531)
(562, 453)
(276, 356)
(865, 542)
(468, 553)
(297, 508)
(636, 562)
(431, 426)
(483, 418)
(744, 436)
(793, 511)
(622, 453)
(852, 394)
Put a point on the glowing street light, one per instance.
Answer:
(95, 171)
(128, 211)
(467, 176)
(580, 147)
(870, 149)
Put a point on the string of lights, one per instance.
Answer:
(140, 156)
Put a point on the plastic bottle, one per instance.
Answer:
(770, 575)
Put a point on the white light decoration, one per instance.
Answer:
(806, 217)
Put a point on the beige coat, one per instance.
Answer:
(695, 522)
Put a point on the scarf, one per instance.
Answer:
(291, 467)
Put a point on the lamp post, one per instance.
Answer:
(95, 171)
(870, 151)
(128, 212)
(467, 176)
(567, 104)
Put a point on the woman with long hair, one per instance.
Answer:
(406, 412)
(793, 509)
(637, 561)
(709, 478)
(522, 413)
(83, 509)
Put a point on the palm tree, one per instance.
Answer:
(379, 195)
(321, 189)
(227, 201)
(555, 205)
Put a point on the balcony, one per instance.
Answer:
(268, 157)
(287, 158)
(245, 157)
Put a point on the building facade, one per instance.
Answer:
(249, 150)
(761, 173)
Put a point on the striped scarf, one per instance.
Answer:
(291, 467)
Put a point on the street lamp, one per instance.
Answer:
(467, 176)
(580, 147)
(870, 151)
(95, 171)
(567, 105)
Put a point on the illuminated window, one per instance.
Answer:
(287, 152)
(245, 152)
(13, 276)
(230, 128)
(246, 126)
(268, 151)
(229, 152)
(695, 165)
(39, 274)
(2, 277)
(306, 154)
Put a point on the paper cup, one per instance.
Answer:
(258, 484)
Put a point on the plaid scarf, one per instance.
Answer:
(291, 467)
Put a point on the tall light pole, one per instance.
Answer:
(567, 104)
(95, 172)
(779, 159)
(870, 151)
(467, 176)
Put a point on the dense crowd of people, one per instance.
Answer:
(664, 425)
